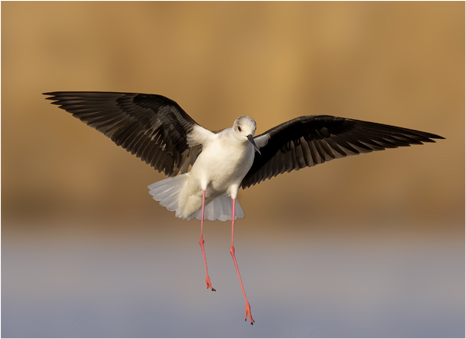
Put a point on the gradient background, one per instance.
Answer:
(369, 246)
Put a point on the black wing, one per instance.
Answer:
(315, 139)
(153, 127)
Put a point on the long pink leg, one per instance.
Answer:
(232, 251)
(201, 242)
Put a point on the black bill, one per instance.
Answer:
(251, 139)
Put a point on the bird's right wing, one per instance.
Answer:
(314, 139)
(153, 127)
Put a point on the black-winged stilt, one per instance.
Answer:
(159, 132)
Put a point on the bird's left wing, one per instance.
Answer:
(153, 127)
(314, 139)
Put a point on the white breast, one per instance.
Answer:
(219, 170)
(223, 163)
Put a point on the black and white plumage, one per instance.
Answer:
(152, 127)
(314, 139)
(157, 130)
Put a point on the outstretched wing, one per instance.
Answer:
(153, 127)
(314, 139)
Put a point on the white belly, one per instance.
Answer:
(219, 169)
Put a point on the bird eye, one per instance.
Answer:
(239, 128)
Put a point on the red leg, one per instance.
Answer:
(232, 251)
(201, 242)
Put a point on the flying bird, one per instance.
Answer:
(158, 131)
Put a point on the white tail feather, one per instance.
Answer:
(219, 209)
(167, 192)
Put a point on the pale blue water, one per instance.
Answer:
(152, 285)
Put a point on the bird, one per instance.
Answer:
(205, 169)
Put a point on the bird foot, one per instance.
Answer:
(209, 285)
(248, 312)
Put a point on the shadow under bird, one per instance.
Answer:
(158, 131)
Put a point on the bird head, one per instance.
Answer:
(245, 127)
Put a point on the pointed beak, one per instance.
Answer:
(251, 140)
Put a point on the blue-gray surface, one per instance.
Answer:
(73, 285)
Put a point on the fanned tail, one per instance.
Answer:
(167, 193)
(219, 209)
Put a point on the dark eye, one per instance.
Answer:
(239, 128)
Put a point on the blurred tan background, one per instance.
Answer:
(371, 246)
(63, 183)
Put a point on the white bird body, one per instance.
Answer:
(225, 160)
(219, 169)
